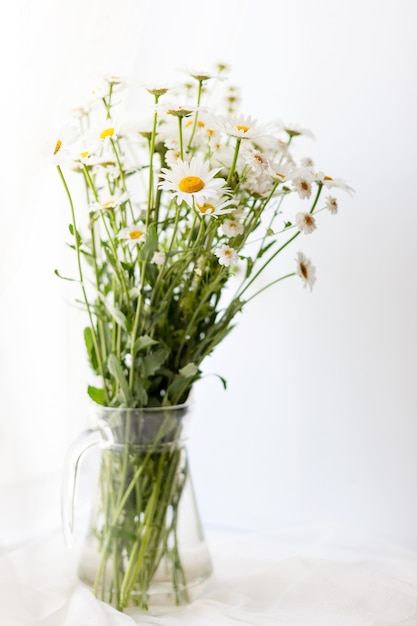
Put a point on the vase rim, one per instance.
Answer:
(145, 409)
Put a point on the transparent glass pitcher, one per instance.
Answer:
(145, 546)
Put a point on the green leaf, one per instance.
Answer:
(140, 391)
(189, 370)
(265, 248)
(97, 395)
(75, 234)
(89, 344)
(114, 312)
(222, 380)
(143, 342)
(72, 280)
(152, 362)
(150, 245)
(116, 370)
(249, 266)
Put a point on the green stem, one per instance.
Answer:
(233, 166)
(274, 282)
(180, 137)
(200, 91)
(151, 155)
(81, 279)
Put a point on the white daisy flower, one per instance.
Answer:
(107, 131)
(87, 158)
(203, 75)
(159, 88)
(158, 258)
(192, 182)
(258, 184)
(307, 162)
(257, 161)
(118, 83)
(280, 171)
(331, 204)
(178, 110)
(232, 228)
(172, 156)
(216, 205)
(109, 202)
(64, 145)
(294, 130)
(227, 256)
(305, 270)
(133, 234)
(243, 127)
(303, 187)
(330, 182)
(305, 222)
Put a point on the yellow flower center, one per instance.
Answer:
(191, 184)
(327, 178)
(199, 124)
(227, 252)
(84, 154)
(244, 128)
(108, 132)
(135, 234)
(304, 185)
(58, 145)
(206, 208)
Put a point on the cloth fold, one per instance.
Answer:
(260, 579)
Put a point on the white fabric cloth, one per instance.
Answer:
(279, 579)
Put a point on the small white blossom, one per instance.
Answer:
(158, 258)
(303, 187)
(232, 228)
(216, 205)
(305, 270)
(307, 162)
(133, 234)
(280, 171)
(112, 202)
(117, 82)
(227, 256)
(257, 161)
(305, 222)
(331, 204)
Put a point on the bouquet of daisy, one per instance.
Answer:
(183, 213)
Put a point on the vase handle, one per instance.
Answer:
(82, 444)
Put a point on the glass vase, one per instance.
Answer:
(145, 545)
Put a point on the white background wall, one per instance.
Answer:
(318, 426)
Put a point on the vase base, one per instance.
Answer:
(160, 599)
